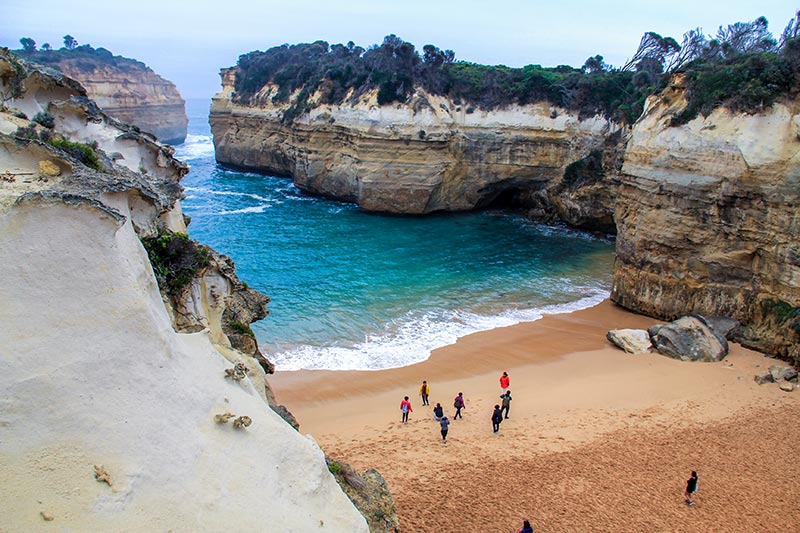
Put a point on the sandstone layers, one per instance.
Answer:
(115, 398)
(131, 92)
(428, 155)
(706, 214)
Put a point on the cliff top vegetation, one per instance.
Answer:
(85, 57)
(743, 67)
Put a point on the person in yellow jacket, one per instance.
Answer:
(424, 391)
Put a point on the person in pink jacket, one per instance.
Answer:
(405, 408)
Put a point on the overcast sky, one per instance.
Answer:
(188, 42)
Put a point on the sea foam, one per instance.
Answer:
(415, 338)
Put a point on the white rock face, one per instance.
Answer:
(92, 373)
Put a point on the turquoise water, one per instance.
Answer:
(353, 290)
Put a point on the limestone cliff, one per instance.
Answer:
(429, 154)
(708, 216)
(125, 89)
(111, 418)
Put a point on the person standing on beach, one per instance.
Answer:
(691, 488)
(458, 403)
(445, 423)
(526, 527)
(505, 381)
(438, 412)
(497, 417)
(405, 408)
(506, 402)
(424, 391)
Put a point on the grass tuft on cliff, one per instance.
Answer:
(176, 260)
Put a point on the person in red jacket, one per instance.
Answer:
(505, 381)
(405, 408)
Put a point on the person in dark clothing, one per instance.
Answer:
(526, 527)
(497, 417)
(458, 403)
(445, 423)
(506, 402)
(691, 488)
(438, 412)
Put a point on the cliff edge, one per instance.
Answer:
(111, 418)
(124, 88)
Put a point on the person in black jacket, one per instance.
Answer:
(438, 412)
(497, 417)
(691, 488)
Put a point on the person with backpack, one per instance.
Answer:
(445, 423)
(458, 403)
(424, 391)
(405, 408)
(506, 403)
(497, 417)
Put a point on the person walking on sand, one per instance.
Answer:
(405, 408)
(424, 391)
(505, 381)
(438, 412)
(526, 527)
(506, 403)
(445, 423)
(458, 403)
(691, 488)
(497, 417)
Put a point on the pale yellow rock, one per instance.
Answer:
(48, 169)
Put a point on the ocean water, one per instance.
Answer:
(353, 290)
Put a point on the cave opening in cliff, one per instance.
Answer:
(506, 197)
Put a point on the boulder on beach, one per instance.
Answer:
(630, 340)
(689, 338)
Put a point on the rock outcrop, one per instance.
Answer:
(690, 338)
(125, 89)
(111, 418)
(429, 154)
(708, 215)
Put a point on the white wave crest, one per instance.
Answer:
(195, 147)
(415, 338)
(203, 190)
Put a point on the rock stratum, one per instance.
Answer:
(706, 213)
(116, 410)
(708, 216)
(430, 154)
(126, 89)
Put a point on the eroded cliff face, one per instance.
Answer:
(110, 413)
(708, 218)
(427, 155)
(133, 94)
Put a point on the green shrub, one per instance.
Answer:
(45, 119)
(82, 152)
(25, 132)
(240, 328)
(176, 260)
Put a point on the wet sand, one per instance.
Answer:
(597, 439)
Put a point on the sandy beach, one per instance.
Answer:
(597, 439)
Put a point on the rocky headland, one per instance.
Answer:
(124, 88)
(703, 198)
(134, 395)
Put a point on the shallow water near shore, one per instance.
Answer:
(353, 290)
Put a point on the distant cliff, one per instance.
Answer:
(429, 154)
(127, 402)
(125, 88)
(708, 218)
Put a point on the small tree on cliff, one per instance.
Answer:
(69, 42)
(28, 44)
(46, 47)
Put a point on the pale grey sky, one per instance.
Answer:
(188, 42)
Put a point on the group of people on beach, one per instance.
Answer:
(499, 414)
